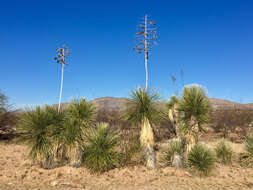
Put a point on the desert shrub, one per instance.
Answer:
(37, 128)
(249, 144)
(8, 118)
(100, 153)
(57, 136)
(247, 158)
(230, 120)
(174, 147)
(201, 158)
(224, 152)
(130, 148)
(80, 116)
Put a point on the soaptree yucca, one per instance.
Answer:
(224, 152)
(201, 158)
(173, 113)
(80, 116)
(142, 109)
(194, 109)
(100, 151)
(41, 128)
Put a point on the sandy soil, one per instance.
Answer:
(16, 172)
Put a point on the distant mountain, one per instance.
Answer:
(112, 104)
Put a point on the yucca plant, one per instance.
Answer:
(173, 113)
(175, 147)
(247, 158)
(194, 109)
(80, 116)
(201, 158)
(224, 152)
(101, 149)
(37, 128)
(249, 145)
(142, 109)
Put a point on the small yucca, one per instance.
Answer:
(249, 144)
(224, 152)
(247, 158)
(80, 117)
(201, 158)
(100, 152)
(174, 147)
(41, 129)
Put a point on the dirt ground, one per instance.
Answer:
(17, 173)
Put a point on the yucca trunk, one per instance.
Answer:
(147, 144)
(192, 136)
(74, 155)
(173, 119)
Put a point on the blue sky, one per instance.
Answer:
(211, 40)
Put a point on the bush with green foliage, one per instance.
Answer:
(100, 153)
(80, 116)
(57, 136)
(142, 109)
(247, 158)
(39, 129)
(174, 147)
(201, 158)
(194, 103)
(249, 144)
(224, 152)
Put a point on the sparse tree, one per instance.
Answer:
(145, 37)
(61, 59)
(3, 103)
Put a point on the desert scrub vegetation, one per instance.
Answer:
(38, 129)
(176, 148)
(8, 118)
(130, 148)
(142, 110)
(80, 116)
(247, 158)
(224, 152)
(194, 109)
(100, 153)
(201, 159)
(57, 136)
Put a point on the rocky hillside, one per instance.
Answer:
(112, 104)
(115, 104)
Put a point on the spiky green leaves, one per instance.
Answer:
(80, 116)
(100, 151)
(194, 104)
(249, 144)
(224, 152)
(173, 101)
(50, 132)
(143, 105)
(41, 129)
(201, 158)
(174, 147)
(247, 158)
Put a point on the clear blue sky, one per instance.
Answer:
(211, 40)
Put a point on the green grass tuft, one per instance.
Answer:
(224, 152)
(201, 158)
(100, 152)
(174, 146)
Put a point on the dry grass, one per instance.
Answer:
(16, 172)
